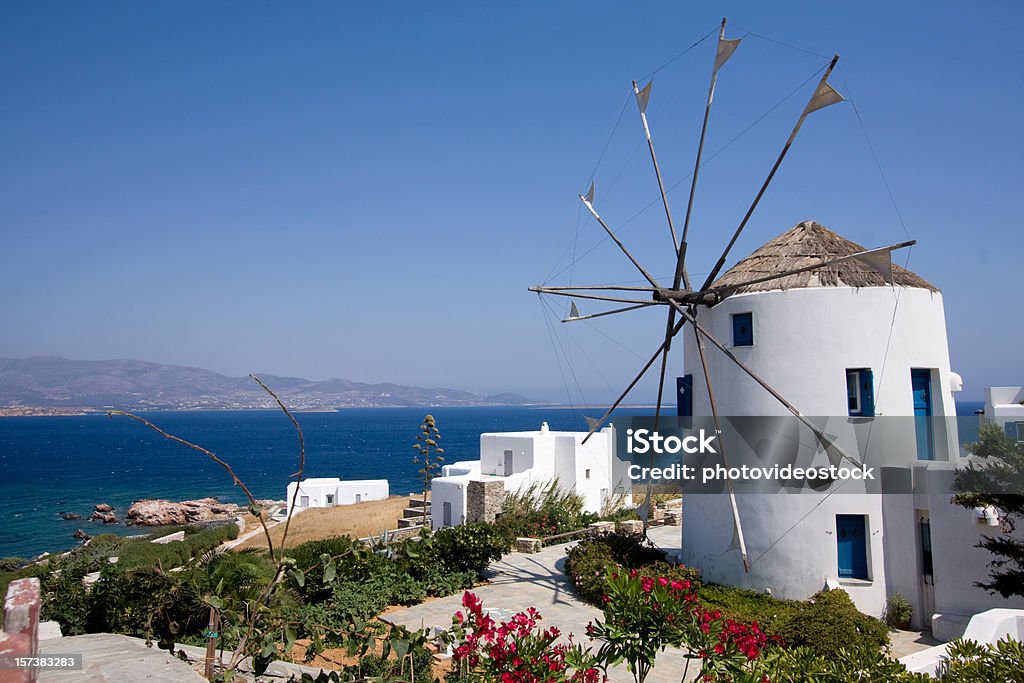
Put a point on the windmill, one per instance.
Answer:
(682, 299)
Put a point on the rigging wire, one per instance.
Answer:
(611, 135)
(558, 359)
(568, 359)
(706, 36)
(704, 163)
(780, 43)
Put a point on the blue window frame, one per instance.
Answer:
(684, 396)
(921, 385)
(743, 329)
(860, 392)
(852, 547)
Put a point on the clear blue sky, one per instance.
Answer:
(366, 190)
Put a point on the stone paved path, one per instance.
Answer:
(519, 581)
(110, 658)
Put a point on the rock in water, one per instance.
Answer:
(81, 535)
(164, 512)
(103, 507)
(105, 517)
(69, 516)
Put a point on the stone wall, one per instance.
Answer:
(20, 637)
(484, 500)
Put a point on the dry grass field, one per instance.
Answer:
(357, 521)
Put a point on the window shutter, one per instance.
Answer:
(867, 393)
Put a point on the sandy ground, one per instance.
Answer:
(358, 521)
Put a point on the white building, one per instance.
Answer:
(520, 459)
(1004, 406)
(841, 342)
(326, 492)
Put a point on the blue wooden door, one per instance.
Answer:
(921, 385)
(851, 543)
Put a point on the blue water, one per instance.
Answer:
(54, 464)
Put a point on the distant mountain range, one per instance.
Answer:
(49, 384)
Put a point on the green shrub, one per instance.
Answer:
(897, 611)
(587, 564)
(589, 561)
(823, 624)
(134, 602)
(307, 558)
(745, 605)
(841, 666)
(969, 662)
(829, 621)
(66, 601)
(439, 581)
(11, 564)
(470, 547)
(141, 553)
(542, 509)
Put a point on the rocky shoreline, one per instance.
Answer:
(160, 512)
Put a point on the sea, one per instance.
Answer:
(50, 465)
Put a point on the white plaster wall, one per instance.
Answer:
(539, 457)
(448, 489)
(1002, 405)
(791, 544)
(805, 339)
(344, 492)
(523, 446)
(368, 489)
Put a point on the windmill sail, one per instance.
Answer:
(725, 50)
(880, 262)
(823, 97)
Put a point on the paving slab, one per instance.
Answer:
(108, 658)
(908, 642)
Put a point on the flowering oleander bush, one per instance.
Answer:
(515, 651)
(643, 615)
(589, 562)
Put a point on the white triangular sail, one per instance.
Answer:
(644, 96)
(823, 97)
(725, 50)
(880, 262)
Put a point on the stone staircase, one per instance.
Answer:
(412, 516)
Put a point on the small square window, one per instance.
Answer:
(587, 474)
(1020, 432)
(743, 329)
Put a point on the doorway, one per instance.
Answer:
(924, 543)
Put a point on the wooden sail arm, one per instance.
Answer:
(737, 525)
(771, 174)
(591, 316)
(595, 288)
(595, 297)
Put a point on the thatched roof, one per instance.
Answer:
(806, 244)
